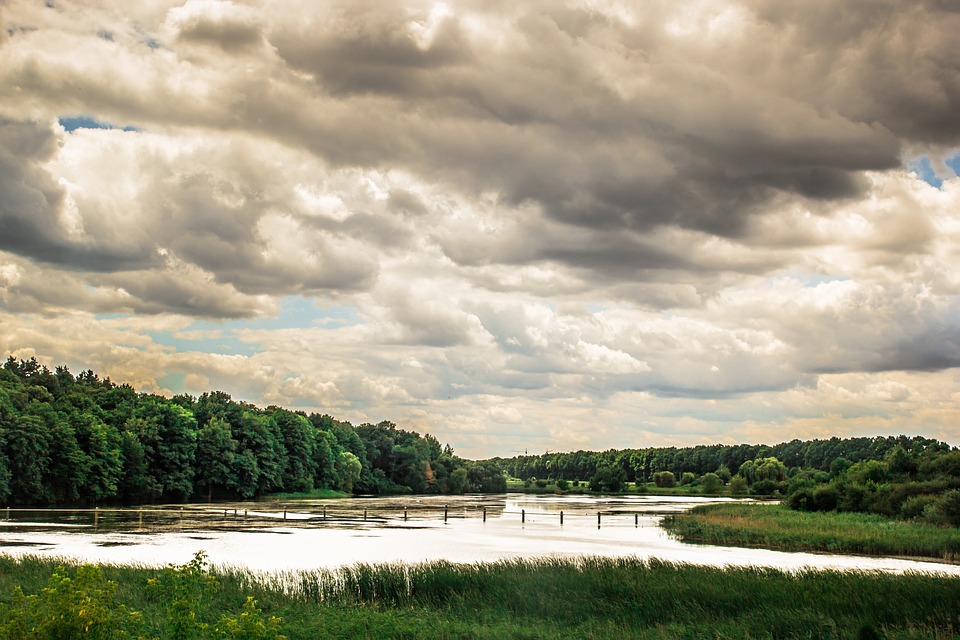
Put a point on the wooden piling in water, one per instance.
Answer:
(484, 514)
(561, 518)
(523, 516)
(598, 519)
(444, 514)
(284, 513)
(364, 515)
(141, 518)
(96, 517)
(636, 520)
(404, 514)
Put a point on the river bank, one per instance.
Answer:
(775, 526)
(545, 598)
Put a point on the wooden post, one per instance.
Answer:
(364, 515)
(141, 517)
(324, 513)
(523, 516)
(244, 514)
(404, 514)
(561, 518)
(224, 514)
(636, 519)
(96, 517)
(234, 513)
(484, 514)
(598, 519)
(444, 514)
(284, 513)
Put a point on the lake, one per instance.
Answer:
(271, 536)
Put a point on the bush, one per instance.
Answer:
(738, 485)
(80, 606)
(825, 498)
(541, 483)
(562, 484)
(914, 506)
(945, 510)
(801, 500)
(687, 478)
(664, 479)
(711, 482)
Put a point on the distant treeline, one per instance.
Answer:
(68, 439)
(642, 465)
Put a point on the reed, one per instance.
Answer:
(777, 527)
(555, 598)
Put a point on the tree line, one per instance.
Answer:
(80, 439)
(767, 464)
(68, 439)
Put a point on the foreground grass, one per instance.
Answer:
(778, 527)
(548, 598)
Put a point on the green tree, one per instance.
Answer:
(216, 450)
(711, 482)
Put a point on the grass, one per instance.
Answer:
(551, 598)
(778, 527)
(314, 494)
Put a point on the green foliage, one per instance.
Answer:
(779, 527)
(711, 483)
(82, 605)
(664, 479)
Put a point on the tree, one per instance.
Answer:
(664, 479)
(216, 451)
(348, 468)
(711, 482)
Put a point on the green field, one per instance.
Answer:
(589, 598)
(775, 526)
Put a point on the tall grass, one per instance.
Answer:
(554, 598)
(777, 527)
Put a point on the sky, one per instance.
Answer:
(518, 226)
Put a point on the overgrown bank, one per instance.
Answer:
(589, 598)
(776, 526)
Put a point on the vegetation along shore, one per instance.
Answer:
(547, 598)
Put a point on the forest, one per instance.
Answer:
(68, 439)
(80, 439)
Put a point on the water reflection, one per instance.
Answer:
(280, 536)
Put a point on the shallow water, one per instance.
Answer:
(271, 536)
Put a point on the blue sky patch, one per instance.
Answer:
(72, 123)
(296, 312)
(173, 381)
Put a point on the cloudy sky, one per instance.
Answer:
(523, 225)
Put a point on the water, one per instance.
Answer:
(270, 536)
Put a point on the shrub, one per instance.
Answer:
(825, 498)
(738, 485)
(562, 484)
(711, 482)
(801, 500)
(914, 506)
(687, 478)
(664, 479)
(80, 606)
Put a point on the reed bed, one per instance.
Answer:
(562, 598)
(778, 527)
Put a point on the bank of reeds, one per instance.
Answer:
(775, 526)
(549, 598)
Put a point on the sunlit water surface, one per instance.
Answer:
(305, 534)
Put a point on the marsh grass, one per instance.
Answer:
(778, 527)
(557, 598)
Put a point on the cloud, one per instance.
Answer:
(659, 216)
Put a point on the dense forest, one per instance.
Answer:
(80, 439)
(68, 439)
